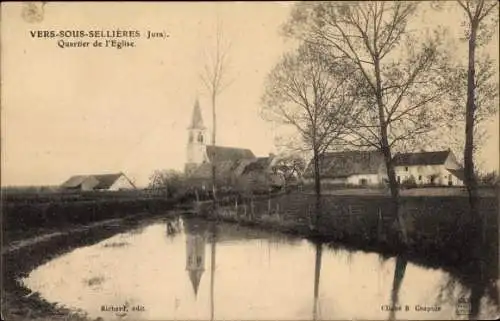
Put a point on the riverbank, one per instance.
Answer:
(435, 225)
(38, 227)
(22, 256)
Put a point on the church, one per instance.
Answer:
(233, 165)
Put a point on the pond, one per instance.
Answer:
(193, 269)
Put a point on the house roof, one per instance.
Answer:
(459, 173)
(74, 181)
(222, 153)
(347, 163)
(260, 163)
(106, 180)
(103, 181)
(196, 119)
(422, 158)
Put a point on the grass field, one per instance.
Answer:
(32, 213)
(436, 225)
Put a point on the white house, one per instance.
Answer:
(349, 168)
(434, 168)
(107, 182)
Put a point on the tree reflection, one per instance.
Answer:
(173, 227)
(399, 273)
(213, 235)
(481, 272)
(317, 272)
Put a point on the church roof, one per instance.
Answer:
(222, 153)
(196, 119)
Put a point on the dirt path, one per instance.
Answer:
(19, 244)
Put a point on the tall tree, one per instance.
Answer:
(486, 106)
(314, 96)
(481, 18)
(215, 79)
(478, 31)
(403, 74)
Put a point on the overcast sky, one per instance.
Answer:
(95, 110)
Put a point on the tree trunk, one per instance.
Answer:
(386, 151)
(469, 175)
(317, 189)
(214, 178)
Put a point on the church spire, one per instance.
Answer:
(196, 119)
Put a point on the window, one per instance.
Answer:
(200, 138)
(198, 261)
(419, 177)
(406, 168)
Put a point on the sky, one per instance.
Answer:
(69, 111)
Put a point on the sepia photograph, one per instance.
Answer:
(237, 160)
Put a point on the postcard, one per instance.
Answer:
(250, 160)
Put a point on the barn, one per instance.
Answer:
(100, 182)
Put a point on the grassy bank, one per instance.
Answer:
(37, 213)
(435, 224)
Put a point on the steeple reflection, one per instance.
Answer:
(196, 239)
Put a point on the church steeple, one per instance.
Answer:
(196, 119)
(196, 146)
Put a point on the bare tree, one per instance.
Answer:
(215, 79)
(314, 96)
(481, 18)
(480, 15)
(167, 182)
(290, 167)
(403, 74)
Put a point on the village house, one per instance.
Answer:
(232, 163)
(103, 182)
(349, 168)
(429, 168)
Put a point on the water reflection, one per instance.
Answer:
(196, 239)
(317, 271)
(198, 234)
(212, 268)
(399, 273)
(213, 271)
